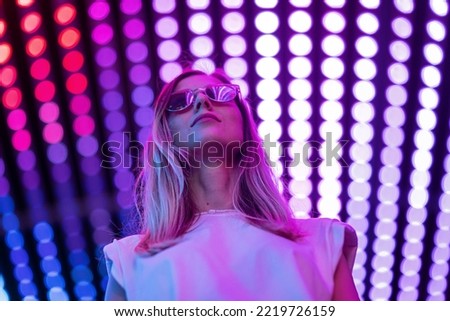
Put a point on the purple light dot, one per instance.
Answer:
(137, 52)
(102, 34)
(112, 100)
(134, 29)
(124, 180)
(142, 96)
(87, 146)
(31, 179)
(99, 10)
(80, 105)
(125, 199)
(26, 160)
(57, 153)
(75, 241)
(90, 166)
(140, 74)
(109, 79)
(61, 173)
(130, 7)
(116, 137)
(106, 57)
(99, 218)
(4, 187)
(2, 167)
(115, 121)
(144, 116)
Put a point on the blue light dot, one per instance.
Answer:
(57, 294)
(142, 96)
(50, 264)
(112, 100)
(6, 204)
(85, 291)
(47, 249)
(78, 258)
(54, 280)
(26, 288)
(43, 232)
(10, 222)
(23, 273)
(19, 256)
(81, 273)
(14, 239)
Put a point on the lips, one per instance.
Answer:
(207, 115)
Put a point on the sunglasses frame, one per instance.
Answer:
(194, 92)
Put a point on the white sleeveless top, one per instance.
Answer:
(225, 258)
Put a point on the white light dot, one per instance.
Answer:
(200, 23)
(169, 71)
(269, 110)
(267, 45)
(431, 76)
(268, 89)
(364, 91)
(301, 3)
(402, 27)
(166, 27)
(394, 136)
(300, 89)
(334, 22)
(362, 133)
(232, 4)
(405, 6)
(332, 68)
(267, 4)
(366, 46)
(363, 112)
(436, 30)
(433, 53)
(418, 198)
(335, 3)
(396, 95)
(426, 119)
(169, 50)
(333, 45)
(368, 23)
(198, 4)
(399, 51)
(439, 7)
(233, 22)
(300, 21)
(365, 69)
(164, 6)
(300, 67)
(267, 22)
(422, 160)
(332, 89)
(370, 4)
(331, 110)
(394, 116)
(268, 68)
(236, 67)
(420, 179)
(398, 73)
(202, 46)
(235, 45)
(300, 131)
(429, 98)
(271, 129)
(300, 45)
(300, 110)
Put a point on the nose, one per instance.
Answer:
(201, 100)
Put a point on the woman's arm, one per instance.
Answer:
(114, 291)
(344, 286)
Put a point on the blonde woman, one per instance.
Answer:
(213, 225)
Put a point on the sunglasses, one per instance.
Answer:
(219, 93)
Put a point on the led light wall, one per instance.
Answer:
(351, 100)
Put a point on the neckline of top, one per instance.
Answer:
(219, 212)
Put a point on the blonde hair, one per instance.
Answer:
(166, 210)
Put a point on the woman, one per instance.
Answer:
(213, 225)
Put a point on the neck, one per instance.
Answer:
(212, 188)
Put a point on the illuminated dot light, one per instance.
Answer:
(14, 240)
(332, 90)
(360, 170)
(300, 129)
(393, 135)
(418, 195)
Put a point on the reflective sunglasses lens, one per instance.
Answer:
(221, 93)
(178, 101)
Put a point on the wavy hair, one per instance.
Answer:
(162, 195)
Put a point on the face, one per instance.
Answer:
(205, 120)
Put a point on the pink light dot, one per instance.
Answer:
(12, 98)
(102, 34)
(76, 83)
(17, 119)
(40, 69)
(45, 91)
(80, 105)
(49, 112)
(53, 133)
(21, 140)
(8, 76)
(83, 125)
